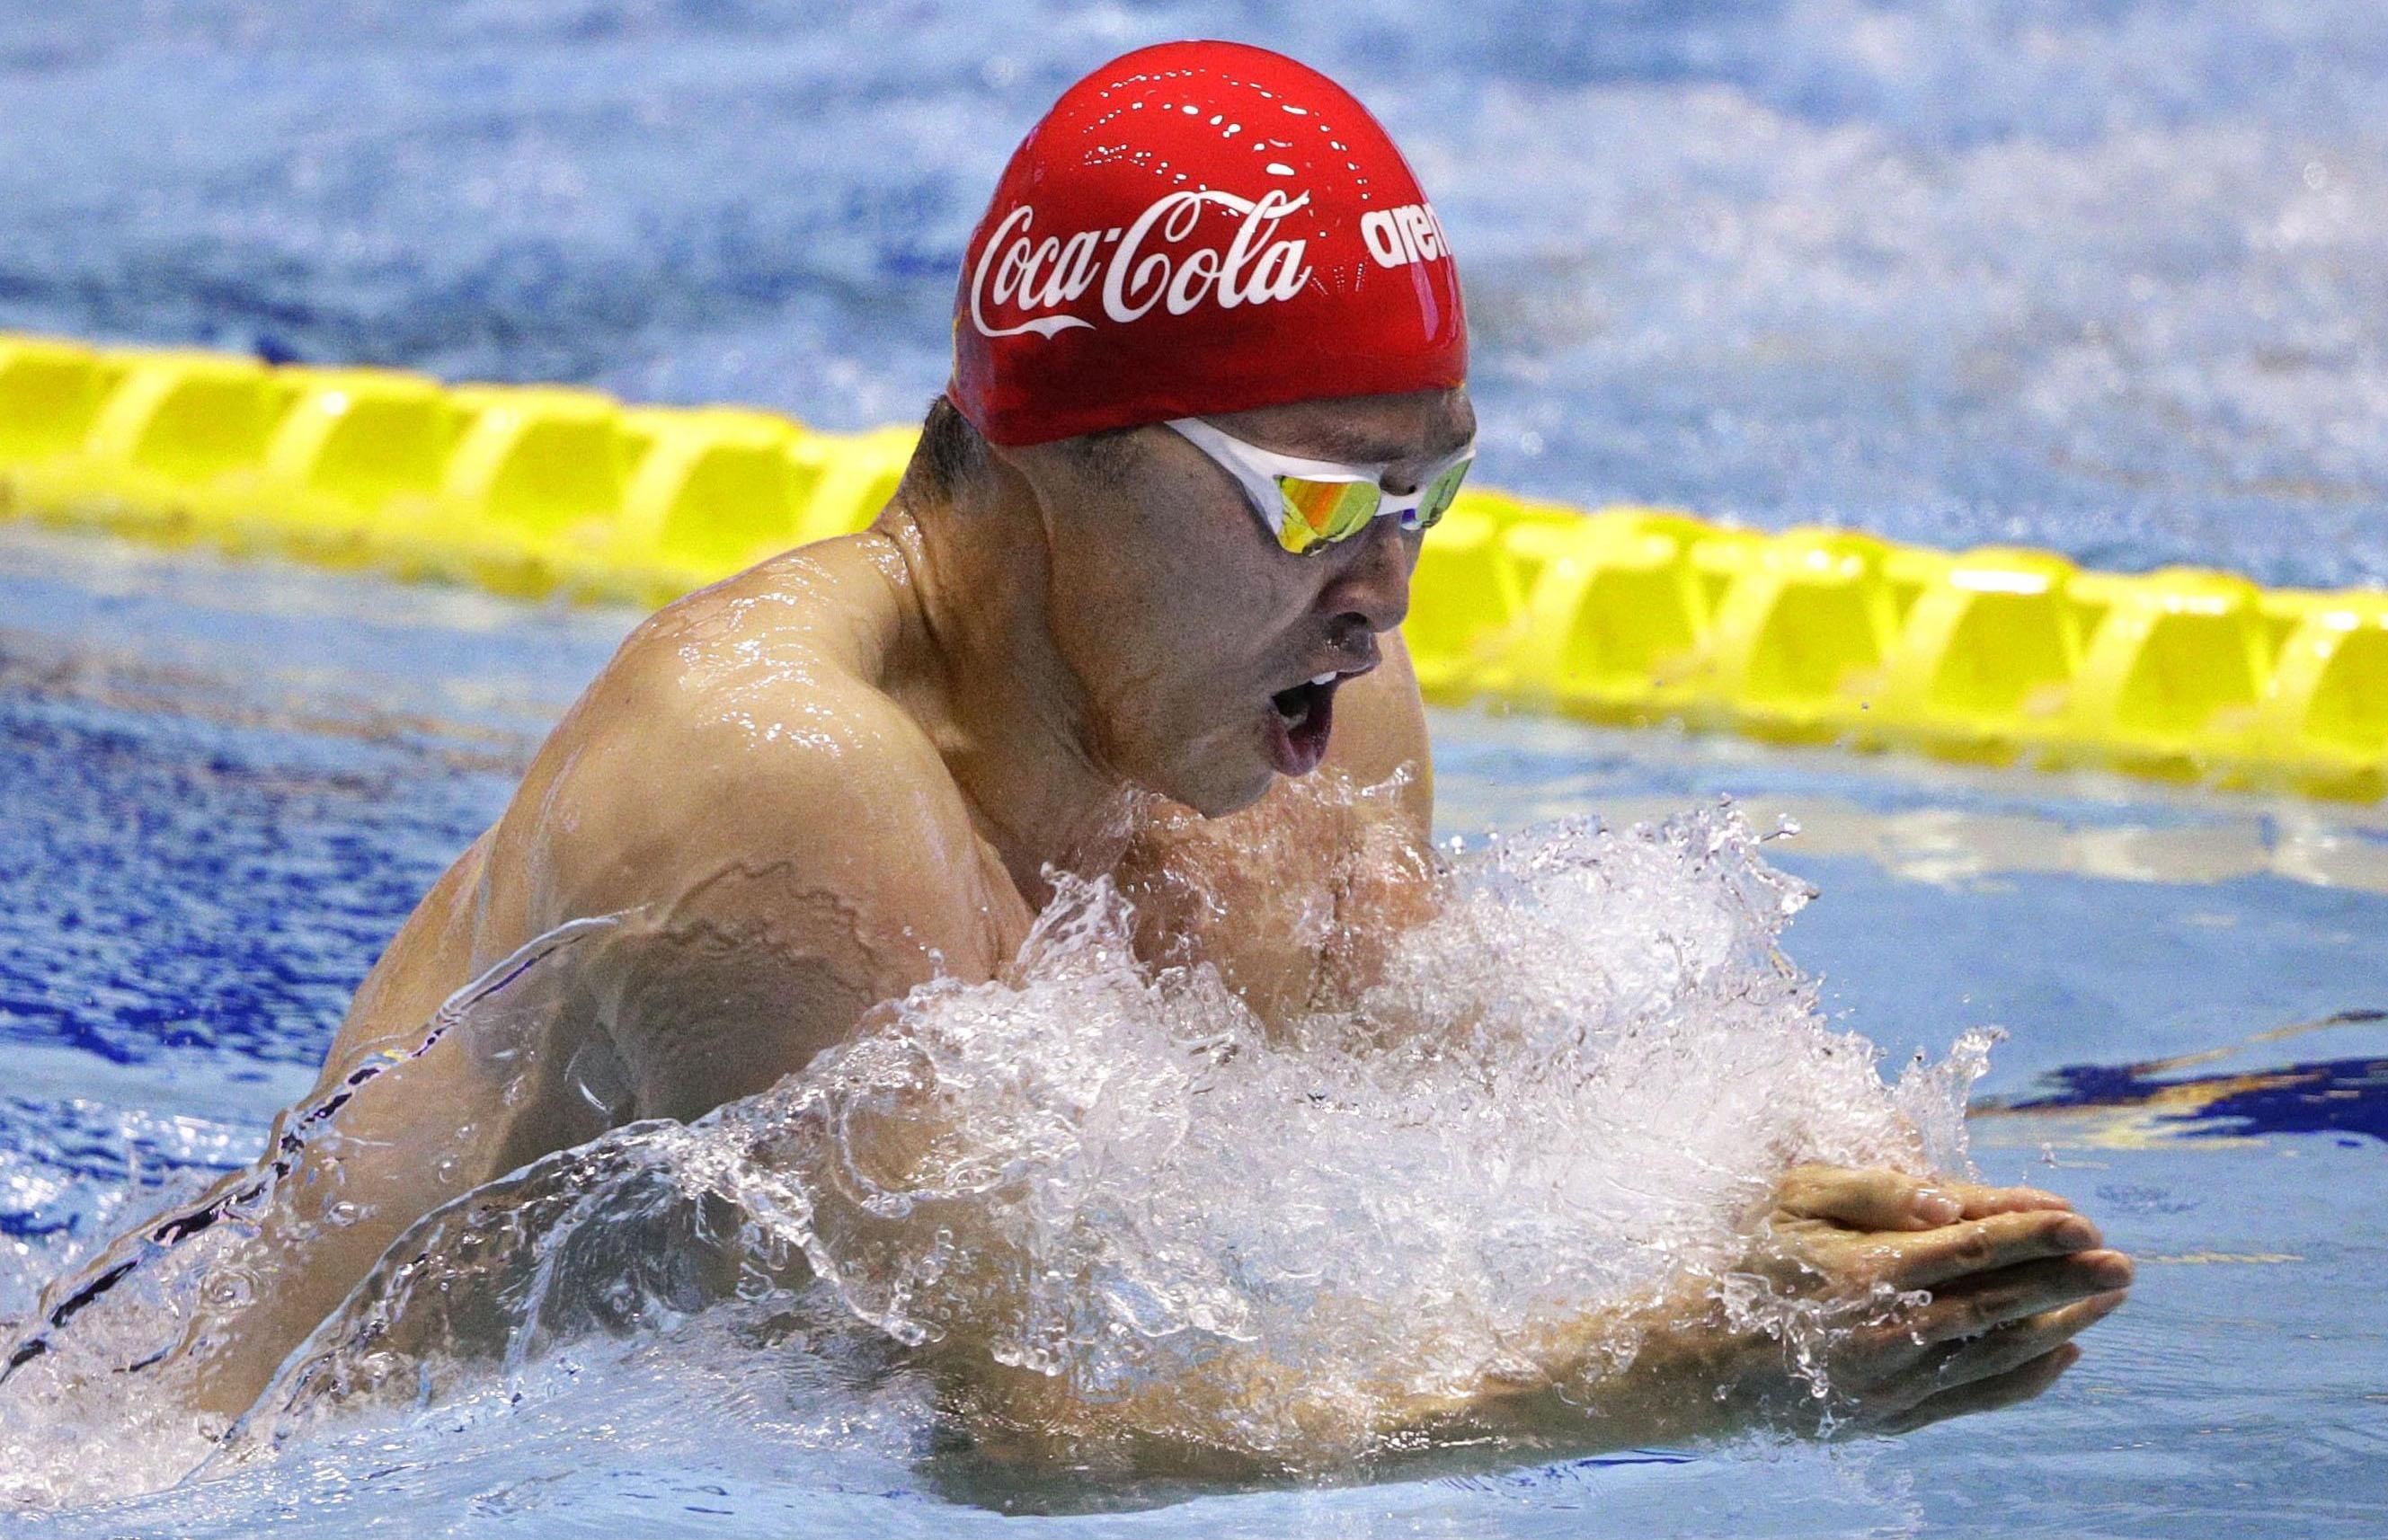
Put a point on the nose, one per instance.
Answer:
(1374, 584)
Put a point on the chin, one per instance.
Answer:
(1216, 789)
(1242, 799)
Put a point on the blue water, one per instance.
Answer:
(2104, 277)
(228, 784)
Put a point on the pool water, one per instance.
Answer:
(2100, 276)
(228, 784)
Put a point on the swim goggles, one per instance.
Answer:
(1310, 503)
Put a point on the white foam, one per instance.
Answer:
(1561, 1101)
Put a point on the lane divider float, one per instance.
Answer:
(1625, 615)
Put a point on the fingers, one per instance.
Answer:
(1980, 1202)
(2020, 1293)
(2009, 1389)
(1981, 1246)
(1870, 1199)
(1987, 1328)
(1877, 1198)
(2013, 1346)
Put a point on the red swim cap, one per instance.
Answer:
(1199, 228)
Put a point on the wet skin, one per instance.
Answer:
(822, 781)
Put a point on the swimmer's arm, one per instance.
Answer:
(385, 1137)
(2013, 1278)
(2010, 1276)
(773, 889)
(1380, 734)
(740, 971)
(724, 966)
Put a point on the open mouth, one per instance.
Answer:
(1300, 722)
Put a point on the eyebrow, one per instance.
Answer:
(1358, 447)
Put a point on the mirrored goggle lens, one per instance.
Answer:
(1320, 512)
(1438, 497)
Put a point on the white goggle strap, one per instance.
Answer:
(1258, 469)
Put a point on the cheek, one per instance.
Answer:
(1216, 608)
(1227, 581)
(1110, 621)
(1173, 592)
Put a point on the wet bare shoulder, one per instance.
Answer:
(740, 729)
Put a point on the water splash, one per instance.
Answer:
(1110, 1192)
(126, 1351)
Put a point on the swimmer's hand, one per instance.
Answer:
(1957, 1298)
(1928, 1300)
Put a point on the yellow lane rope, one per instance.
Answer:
(1623, 615)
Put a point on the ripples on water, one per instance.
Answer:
(2097, 276)
(2102, 277)
(1560, 1103)
(323, 773)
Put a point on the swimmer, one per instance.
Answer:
(1142, 580)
